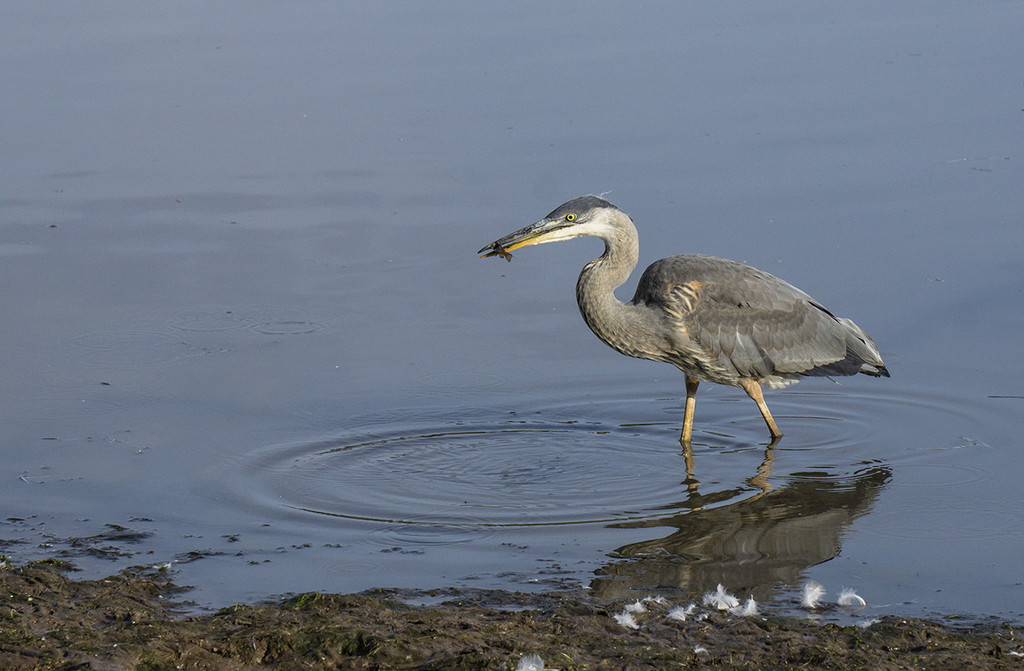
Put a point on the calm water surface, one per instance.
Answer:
(246, 333)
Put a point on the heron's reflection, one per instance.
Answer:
(751, 546)
(758, 481)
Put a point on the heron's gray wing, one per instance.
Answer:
(750, 321)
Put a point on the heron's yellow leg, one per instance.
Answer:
(753, 390)
(691, 400)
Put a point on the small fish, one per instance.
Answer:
(498, 250)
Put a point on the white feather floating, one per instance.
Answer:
(637, 607)
(851, 601)
(721, 599)
(748, 609)
(812, 595)
(626, 619)
(531, 663)
(680, 613)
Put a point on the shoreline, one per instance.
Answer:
(133, 620)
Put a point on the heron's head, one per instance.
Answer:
(586, 215)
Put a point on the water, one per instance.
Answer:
(246, 332)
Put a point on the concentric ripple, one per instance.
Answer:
(464, 474)
(449, 475)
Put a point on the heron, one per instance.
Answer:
(714, 319)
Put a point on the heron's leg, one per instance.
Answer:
(753, 390)
(691, 400)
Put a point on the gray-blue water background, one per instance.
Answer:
(245, 331)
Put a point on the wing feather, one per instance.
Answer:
(752, 323)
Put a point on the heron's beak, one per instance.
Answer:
(533, 234)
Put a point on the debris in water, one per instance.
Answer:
(721, 599)
(812, 595)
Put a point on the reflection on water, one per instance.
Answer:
(753, 545)
(436, 483)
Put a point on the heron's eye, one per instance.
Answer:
(570, 217)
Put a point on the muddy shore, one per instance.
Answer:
(131, 621)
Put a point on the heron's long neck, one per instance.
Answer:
(609, 318)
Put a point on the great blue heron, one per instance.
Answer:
(713, 319)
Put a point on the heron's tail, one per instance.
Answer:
(861, 355)
(860, 347)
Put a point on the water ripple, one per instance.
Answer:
(464, 475)
(449, 476)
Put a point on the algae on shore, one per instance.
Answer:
(129, 621)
